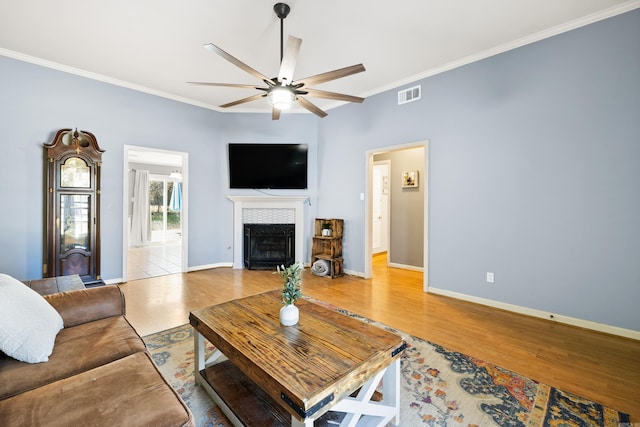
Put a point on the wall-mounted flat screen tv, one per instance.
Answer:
(268, 166)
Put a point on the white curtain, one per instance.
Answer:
(140, 215)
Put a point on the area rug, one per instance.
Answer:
(439, 388)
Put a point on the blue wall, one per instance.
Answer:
(534, 170)
(37, 101)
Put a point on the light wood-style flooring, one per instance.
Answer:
(597, 366)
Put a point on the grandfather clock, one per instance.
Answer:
(72, 211)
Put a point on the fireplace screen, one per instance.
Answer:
(268, 245)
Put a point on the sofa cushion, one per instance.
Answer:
(86, 305)
(126, 392)
(77, 349)
(28, 323)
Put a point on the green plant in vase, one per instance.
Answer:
(327, 229)
(289, 313)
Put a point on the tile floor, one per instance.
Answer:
(154, 260)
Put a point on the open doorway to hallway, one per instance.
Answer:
(397, 208)
(155, 211)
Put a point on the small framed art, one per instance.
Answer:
(410, 179)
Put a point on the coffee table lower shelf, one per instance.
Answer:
(248, 402)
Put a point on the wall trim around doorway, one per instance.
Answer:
(368, 205)
(125, 192)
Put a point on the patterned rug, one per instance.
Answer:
(439, 388)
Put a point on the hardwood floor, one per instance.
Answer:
(597, 366)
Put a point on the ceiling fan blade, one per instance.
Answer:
(332, 75)
(288, 64)
(332, 95)
(311, 107)
(235, 61)
(225, 85)
(275, 114)
(243, 100)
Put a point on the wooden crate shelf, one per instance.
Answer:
(336, 226)
(336, 265)
(329, 248)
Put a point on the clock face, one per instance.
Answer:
(75, 173)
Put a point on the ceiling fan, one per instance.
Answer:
(282, 91)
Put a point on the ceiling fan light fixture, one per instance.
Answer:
(281, 98)
(283, 90)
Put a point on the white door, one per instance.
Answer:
(380, 213)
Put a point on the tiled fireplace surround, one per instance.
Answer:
(266, 210)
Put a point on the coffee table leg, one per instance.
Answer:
(198, 353)
(391, 388)
(199, 364)
(361, 406)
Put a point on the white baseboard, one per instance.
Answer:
(406, 267)
(354, 273)
(552, 317)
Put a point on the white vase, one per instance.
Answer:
(289, 315)
(326, 232)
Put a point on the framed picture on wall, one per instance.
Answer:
(410, 179)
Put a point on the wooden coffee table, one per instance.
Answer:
(266, 374)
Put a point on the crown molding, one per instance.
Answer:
(532, 38)
(559, 29)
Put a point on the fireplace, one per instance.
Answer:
(268, 245)
(267, 210)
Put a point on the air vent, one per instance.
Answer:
(409, 95)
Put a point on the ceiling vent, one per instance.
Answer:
(409, 95)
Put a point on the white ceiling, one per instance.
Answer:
(155, 46)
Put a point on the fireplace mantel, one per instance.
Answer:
(266, 202)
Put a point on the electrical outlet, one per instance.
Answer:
(490, 277)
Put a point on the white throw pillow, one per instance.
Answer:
(28, 323)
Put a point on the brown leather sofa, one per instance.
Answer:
(99, 374)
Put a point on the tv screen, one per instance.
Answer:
(268, 166)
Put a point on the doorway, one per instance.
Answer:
(407, 226)
(154, 212)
